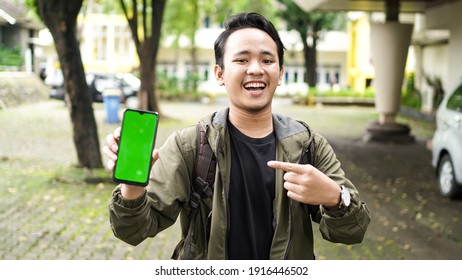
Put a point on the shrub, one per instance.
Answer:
(10, 56)
(410, 96)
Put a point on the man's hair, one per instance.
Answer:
(247, 20)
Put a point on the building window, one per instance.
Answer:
(122, 39)
(101, 42)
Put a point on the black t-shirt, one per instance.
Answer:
(251, 196)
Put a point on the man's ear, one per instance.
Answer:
(281, 74)
(219, 75)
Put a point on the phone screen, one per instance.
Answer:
(137, 139)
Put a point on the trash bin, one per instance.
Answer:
(111, 99)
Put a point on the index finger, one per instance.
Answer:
(286, 166)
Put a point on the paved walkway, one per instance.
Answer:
(50, 210)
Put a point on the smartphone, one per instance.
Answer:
(136, 143)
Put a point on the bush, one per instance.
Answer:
(172, 88)
(309, 98)
(346, 92)
(10, 56)
(410, 97)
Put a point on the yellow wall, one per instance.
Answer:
(358, 57)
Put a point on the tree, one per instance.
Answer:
(309, 25)
(60, 16)
(145, 21)
(186, 21)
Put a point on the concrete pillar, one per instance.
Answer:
(389, 48)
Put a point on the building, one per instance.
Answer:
(19, 30)
(434, 49)
(107, 46)
(360, 67)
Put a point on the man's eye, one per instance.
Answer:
(267, 61)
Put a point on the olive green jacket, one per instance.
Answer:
(168, 195)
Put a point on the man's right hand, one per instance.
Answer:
(128, 192)
(111, 148)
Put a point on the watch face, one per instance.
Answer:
(346, 197)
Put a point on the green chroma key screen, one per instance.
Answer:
(136, 144)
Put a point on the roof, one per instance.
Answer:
(16, 12)
(406, 6)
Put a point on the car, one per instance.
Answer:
(128, 84)
(446, 144)
(55, 82)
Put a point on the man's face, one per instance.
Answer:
(251, 70)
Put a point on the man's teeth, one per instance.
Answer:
(255, 85)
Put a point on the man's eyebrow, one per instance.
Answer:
(241, 53)
(245, 52)
(267, 53)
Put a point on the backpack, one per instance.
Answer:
(202, 185)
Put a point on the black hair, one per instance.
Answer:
(247, 20)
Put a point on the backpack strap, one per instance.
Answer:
(308, 157)
(205, 165)
(203, 178)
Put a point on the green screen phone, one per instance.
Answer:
(137, 139)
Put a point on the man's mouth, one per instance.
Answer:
(254, 86)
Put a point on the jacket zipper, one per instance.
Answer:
(226, 200)
(209, 219)
(291, 230)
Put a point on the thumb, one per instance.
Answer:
(155, 155)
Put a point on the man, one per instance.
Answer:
(264, 201)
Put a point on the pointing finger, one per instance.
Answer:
(287, 166)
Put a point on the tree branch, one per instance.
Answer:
(145, 19)
(132, 22)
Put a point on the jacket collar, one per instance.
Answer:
(291, 134)
(284, 126)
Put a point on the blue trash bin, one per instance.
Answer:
(111, 99)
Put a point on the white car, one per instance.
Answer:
(447, 144)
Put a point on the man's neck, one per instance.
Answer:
(254, 125)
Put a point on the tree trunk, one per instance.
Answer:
(194, 71)
(310, 64)
(147, 46)
(313, 62)
(147, 93)
(61, 19)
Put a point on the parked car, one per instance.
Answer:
(447, 144)
(128, 84)
(55, 82)
(99, 82)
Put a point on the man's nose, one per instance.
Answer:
(255, 68)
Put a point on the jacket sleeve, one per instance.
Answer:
(168, 192)
(339, 226)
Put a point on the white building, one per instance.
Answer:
(107, 46)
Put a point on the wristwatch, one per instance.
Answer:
(345, 198)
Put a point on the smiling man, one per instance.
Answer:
(274, 176)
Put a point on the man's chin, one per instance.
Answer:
(258, 108)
